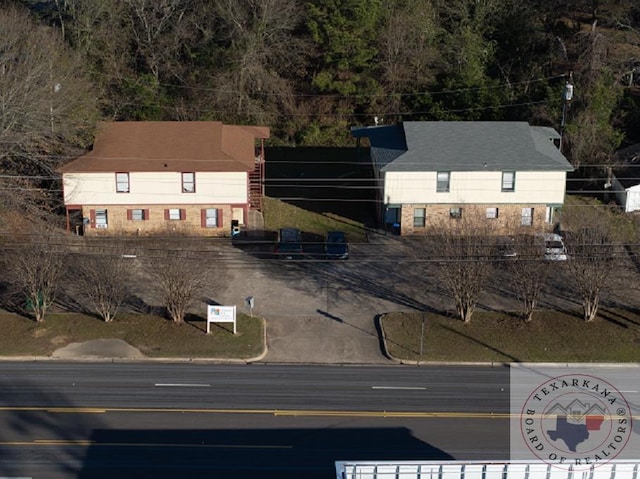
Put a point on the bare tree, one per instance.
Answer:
(180, 275)
(263, 55)
(527, 271)
(407, 45)
(594, 251)
(465, 252)
(49, 108)
(48, 101)
(36, 265)
(159, 27)
(102, 275)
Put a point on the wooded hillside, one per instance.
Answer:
(310, 69)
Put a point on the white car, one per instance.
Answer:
(554, 248)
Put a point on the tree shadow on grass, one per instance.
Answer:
(481, 343)
(618, 319)
(384, 341)
(196, 321)
(136, 304)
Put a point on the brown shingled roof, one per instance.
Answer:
(170, 146)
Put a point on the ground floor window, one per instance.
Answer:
(419, 217)
(492, 213)
(101, 219)
(211, 218)
(138, 214)
(455, 213)
(527, 216)
(175, 214)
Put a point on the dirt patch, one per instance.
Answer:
(39, 333)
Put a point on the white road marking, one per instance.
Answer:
(399, 387)
(181, 385)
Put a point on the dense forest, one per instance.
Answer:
(310, 69)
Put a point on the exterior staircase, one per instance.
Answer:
(256, 185)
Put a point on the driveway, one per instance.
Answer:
(316, 311)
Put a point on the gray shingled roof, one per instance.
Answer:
(464, 146)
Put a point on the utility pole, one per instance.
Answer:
(567, 96)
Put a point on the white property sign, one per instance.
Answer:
(221, 314)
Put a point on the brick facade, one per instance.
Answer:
(509, 217)
(120, 220)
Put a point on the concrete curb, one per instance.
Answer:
(383, 337)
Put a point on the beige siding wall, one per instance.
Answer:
(508, 221)
(155, 189)
(475, 187)
(118, 222)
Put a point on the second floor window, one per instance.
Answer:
(508, 181)
(122, 182)
(189, 182)
(442, 185)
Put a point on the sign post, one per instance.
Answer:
(248, 302)
(221, 314)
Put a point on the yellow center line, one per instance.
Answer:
(77, 410)
(85, 442)
(271, 412)
(283, 412)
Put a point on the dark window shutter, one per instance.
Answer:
(146, 214)
(183, 214)
(129, 214)
(166, 214)
(203, 218)
(92, 218)
(219, 225)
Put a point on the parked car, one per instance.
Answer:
(549, 244)
(289, 244)
(336, 246)
(505, 247)
(554, 248)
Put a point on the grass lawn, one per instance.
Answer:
(278, 214)
(552, 336)
(152, 335)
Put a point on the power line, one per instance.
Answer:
(507, 85)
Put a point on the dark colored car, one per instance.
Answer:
(336, 246)
(289, 244)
